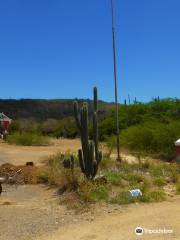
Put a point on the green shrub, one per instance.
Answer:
(126, 198)
(153, 196)
(27, 139)
(100, 193)
(14, 126)
(114, 178)
(150, 138)
(134, 178)
(157, 170)
(90, 191)
(107, 163)
(159, 182)
(162, 170)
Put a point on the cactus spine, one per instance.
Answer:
(89, 156)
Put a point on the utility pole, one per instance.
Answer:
(115, 81)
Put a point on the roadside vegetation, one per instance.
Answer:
(150, 129)
(156, 180)
(27, 139)
(150, 138)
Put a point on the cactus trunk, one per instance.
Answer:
(89, 156)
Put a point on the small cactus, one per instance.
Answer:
(89, 156)
(68, 162)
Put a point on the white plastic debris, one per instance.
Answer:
(135, 192)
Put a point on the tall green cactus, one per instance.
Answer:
(89, 156)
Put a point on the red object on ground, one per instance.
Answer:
(5, 125)
(4, 122)
(177, 146)
(177, 150)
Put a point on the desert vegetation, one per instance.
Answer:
(148, 128)
(157, 181)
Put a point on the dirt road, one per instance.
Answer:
(121, 224)
(18, 155)
(34, 213)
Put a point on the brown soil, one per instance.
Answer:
(120, 223)
(28, 211)
(19, 155)
(33, 212)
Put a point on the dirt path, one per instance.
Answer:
(18, 155)
(120, 225)
(28, 211)
(33, 212)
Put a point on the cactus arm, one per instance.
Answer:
(77, 115)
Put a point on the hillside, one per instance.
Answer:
(44, 109)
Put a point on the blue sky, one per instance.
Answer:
(62, 48)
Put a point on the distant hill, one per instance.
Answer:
(43, 109)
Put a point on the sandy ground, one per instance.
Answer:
(33, 212)
(120, 225)
(18, 155)
(28, 211)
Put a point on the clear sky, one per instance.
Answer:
(62, 48)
